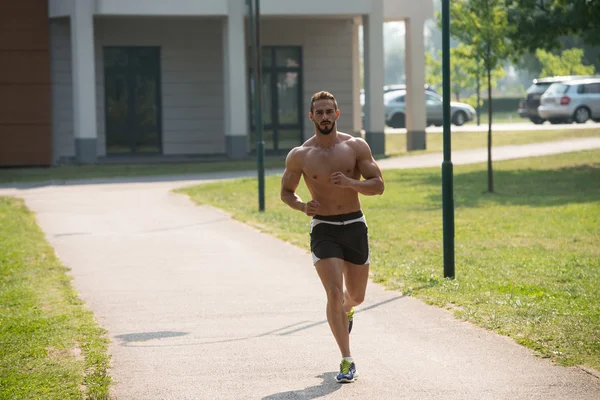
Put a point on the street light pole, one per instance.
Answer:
(254, 25)
(447, 170)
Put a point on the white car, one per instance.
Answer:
(577, 100)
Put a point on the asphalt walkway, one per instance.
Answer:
(199, 306)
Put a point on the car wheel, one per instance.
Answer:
(398, 121)
(581, 115)
(537, 120)
(459, 118)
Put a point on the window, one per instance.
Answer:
(592, 88)
(281, 99)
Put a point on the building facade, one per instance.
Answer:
(91, 80)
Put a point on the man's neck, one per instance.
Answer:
(328, 140)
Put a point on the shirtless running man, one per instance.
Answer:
(332, 164)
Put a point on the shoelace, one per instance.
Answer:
(345, 366)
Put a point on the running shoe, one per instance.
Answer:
(347, 372)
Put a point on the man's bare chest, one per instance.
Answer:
(319, 167)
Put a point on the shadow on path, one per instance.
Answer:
(327, 386)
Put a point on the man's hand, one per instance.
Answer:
(341, 180)
(311, 208)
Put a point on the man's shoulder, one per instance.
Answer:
(354, 141)
(298, 153)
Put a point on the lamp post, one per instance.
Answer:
(447, 170)
(255, 52)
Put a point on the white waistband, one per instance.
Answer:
(315, 222)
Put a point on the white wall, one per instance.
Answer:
(192, 77)
(327, 60)
(395, 10)
(192, 80)
(192, 74)
(162, 7)
(319, 8)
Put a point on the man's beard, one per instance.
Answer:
(324, 130)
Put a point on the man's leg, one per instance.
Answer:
(331, 272)
(356, 278)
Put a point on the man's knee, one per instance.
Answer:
(335, 296)
(357, 298)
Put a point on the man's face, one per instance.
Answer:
(324, 115)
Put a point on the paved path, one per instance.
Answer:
(199, 306)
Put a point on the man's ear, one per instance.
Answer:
(337, 113)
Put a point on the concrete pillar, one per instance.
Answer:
(374, 78)
(415, 85)
(84, 82)
(236, 88)
(357, 124)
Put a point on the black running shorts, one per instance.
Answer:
(344, 236)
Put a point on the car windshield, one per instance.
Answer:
(557, 88)
(538, 88)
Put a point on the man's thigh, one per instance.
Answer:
(331, 272)
(356, 278)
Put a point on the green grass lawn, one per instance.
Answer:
(50, 344)
(395, 146)
(527, 257)
(505, 117)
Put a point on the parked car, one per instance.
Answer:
(577, 100)
(390, 88)
(528, 107)
(395, 110)
(402, 86)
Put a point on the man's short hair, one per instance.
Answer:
(322, 95)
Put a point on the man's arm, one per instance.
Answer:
(368, 168)
(291, 179)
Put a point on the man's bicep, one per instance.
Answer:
(290, 180)
(293, 172)
(367, 166)
(369, 169)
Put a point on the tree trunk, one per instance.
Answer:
(490, 171)
(478, 95)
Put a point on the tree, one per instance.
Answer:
(433, 70)
(568, 63)
(541, 23)
(466, 72)
(484, 25)
(465, 57)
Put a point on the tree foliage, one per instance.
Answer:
(465, 70)
(569, 62)
(541, 23)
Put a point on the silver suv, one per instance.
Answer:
(577, 100)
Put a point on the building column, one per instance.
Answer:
(357, 124)
(374, 78)
(415, 86)
(84, 82)
(236, 88)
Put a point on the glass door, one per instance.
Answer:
(132, 100)
(281, 99)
